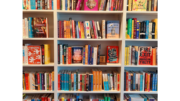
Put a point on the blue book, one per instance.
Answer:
(40, 81)
(52, 5)
(77, 29)
(65, 84)
(83, 56)
(137, 31)
(62, 81)
(141, 82)
(30, 28)
(32, 99)
(74, 81)
(107, 86)
(67, 81)
(91, 82)
(147, 29)
(134, 80)
(38, 4)
(66, 4)
(33, 4)
(84, 29)
(89, 50)
(156, 82)
(153, 79)
(39, 100)
(92, 55)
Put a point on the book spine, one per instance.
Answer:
(88, 36)
(58, 53)
(150, 30)
(127, 81)
(73, 29)
(152, 5)
(153, 30)
(69, 55)
(95, 56)
(61, 54)
(80, 82)
(132, 29)
(145, 87)
(92, 51)
(42, 54)
(75, 81)
(89, 51)
(82, 86)
(62, 31)
(42, 75)
(103, 29)
(72, 82)
(59, 79)
(155, 5)
(83, 56)
(137, 30)
(95, 34)
(92, 30)
(129, 28)
(98, 30)
(30, 25)
(90, 61)
(141, 82)
(134, 81)
(58, 4)
(86, 54)
(40, 79)
(147, 29)
(65, 26)
(77, 29)
(78, 4)
(58, 29)
(137, 82)
(84, 24)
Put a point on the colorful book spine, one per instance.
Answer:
(78, 4)
(147, 29)
(129, 29)
(137, 30)
(30, 25)
(77, 29)
(103, 29)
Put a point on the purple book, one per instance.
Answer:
(42, 80)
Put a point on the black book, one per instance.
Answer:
(124, 81)
(87, 82)
(58, 53)
(36, 82)
(42, 54)
(153, 30)
(90, 82)
(131, 82)
(141, 30)
(144, 26)
(98, 54)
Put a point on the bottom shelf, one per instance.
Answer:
(90, 91)
(37, 91)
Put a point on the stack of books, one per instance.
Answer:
(95, 81)
(38, 81)
(141, 30)
(37, 4)
(90, 5)
(36, 54)
(35, 27)
(140, 81)
(88, 29)
(141, 55)
(86, 55)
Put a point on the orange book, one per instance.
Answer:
(49, 81)
(27, 81)
(118, 81)
(62, 59)
(94, 80)
(82, 30)
(69, 55)
(58, 4)
(86, 54)
(97, 80)
(149, 82)
(38, 79)
(154, 56)
(65, 36)
(100, 80)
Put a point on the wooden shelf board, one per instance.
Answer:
(38, 38)
(37, 91)
(41, 65)
(89, 12)
(89, 91)
(74, 39)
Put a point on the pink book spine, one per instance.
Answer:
(94, 29)
(78, 4)
(50, 4)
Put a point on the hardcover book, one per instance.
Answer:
(40, 27)
(77, 54)
(139, 5)
(91, 5)
(145, 55)
(34, 55)
(112, 54)
(112, 29)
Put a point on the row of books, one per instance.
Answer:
(86, 55)
(141, 30)
(79, 97)
(88, 29)
(140, 81)
(35, 27)
(90, 5)
(38, 97)
(141, 55)
(37, 4)
(38, 80)
(95, 81)
(142, 5)
(36, 54)
(140, 97)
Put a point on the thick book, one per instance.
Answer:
(112, 54)
(42, 54)
(112, 29)
(47, 53)
(139, 5)
(40, 29)
(77, 54)
(144, 57)
(34, 54)
(91, 5)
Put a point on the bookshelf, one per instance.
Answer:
(53, 40)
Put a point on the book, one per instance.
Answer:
(40, 27)
(91, 5)
(112, 29)
(77, 52)
(47, 53)
(34, 55)
(139, 5)
(112, 54)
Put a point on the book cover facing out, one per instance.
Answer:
(34, 56)
(139, 5)
(145, 55)
(112, 29)
(112, 54)
(91, 5)
(39, 26)
(77, 54)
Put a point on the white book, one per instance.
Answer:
(129, 82)
(115, 81)
(68, 5)
(63, 4)
(88, 36)
(30, 81)
(61, 53)
(107, 7)
(136, 85)
(78, 82)
(111, 78)
(48, 4)
(26, 28)
(95, 56)
(45, 84)
(150, 30)
(26, 53)
(103, 29)
(130, 55)
(98, 30)
(143, 80)
(29, 4)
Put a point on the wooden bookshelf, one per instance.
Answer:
(55, 15)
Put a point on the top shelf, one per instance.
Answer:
(142, 12)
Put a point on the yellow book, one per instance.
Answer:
(100, 80)
(94, 80)
(125, 59)
(127, 56)
(82, 30)
(132, 29)
(139, 5)
(47, 53)
(62, 99)
(156, 27)
(24, 83)
(97, 80)
(129, 5)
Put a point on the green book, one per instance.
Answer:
(108, 98)
(129, 30)
(47, 80)
(105, 98)
(70, 81)
(82, 82)
(64, 52)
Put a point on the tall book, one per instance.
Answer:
(112, 54)
(139, 5)
(112, 29)
(156, 27)
(34, 54)
(47, 53)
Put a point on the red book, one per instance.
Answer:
(34, 54)
(49, 81)
(145, 55)
(59, 82)
(59, 29)
(84, 82)
(42, 54)
(118, 80)
(73, 29)
(149, 79)
(112, 4)
(50, 4)
(80, 82)
(46, 98)
(112, 54)
(69, 55)
(38, 80)
(58, 4)
(62, 31)
(127, 81)
(135, 29)
(36, 3)
(42, 98)
(95, 34)
(145, 85)
(27, 81)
